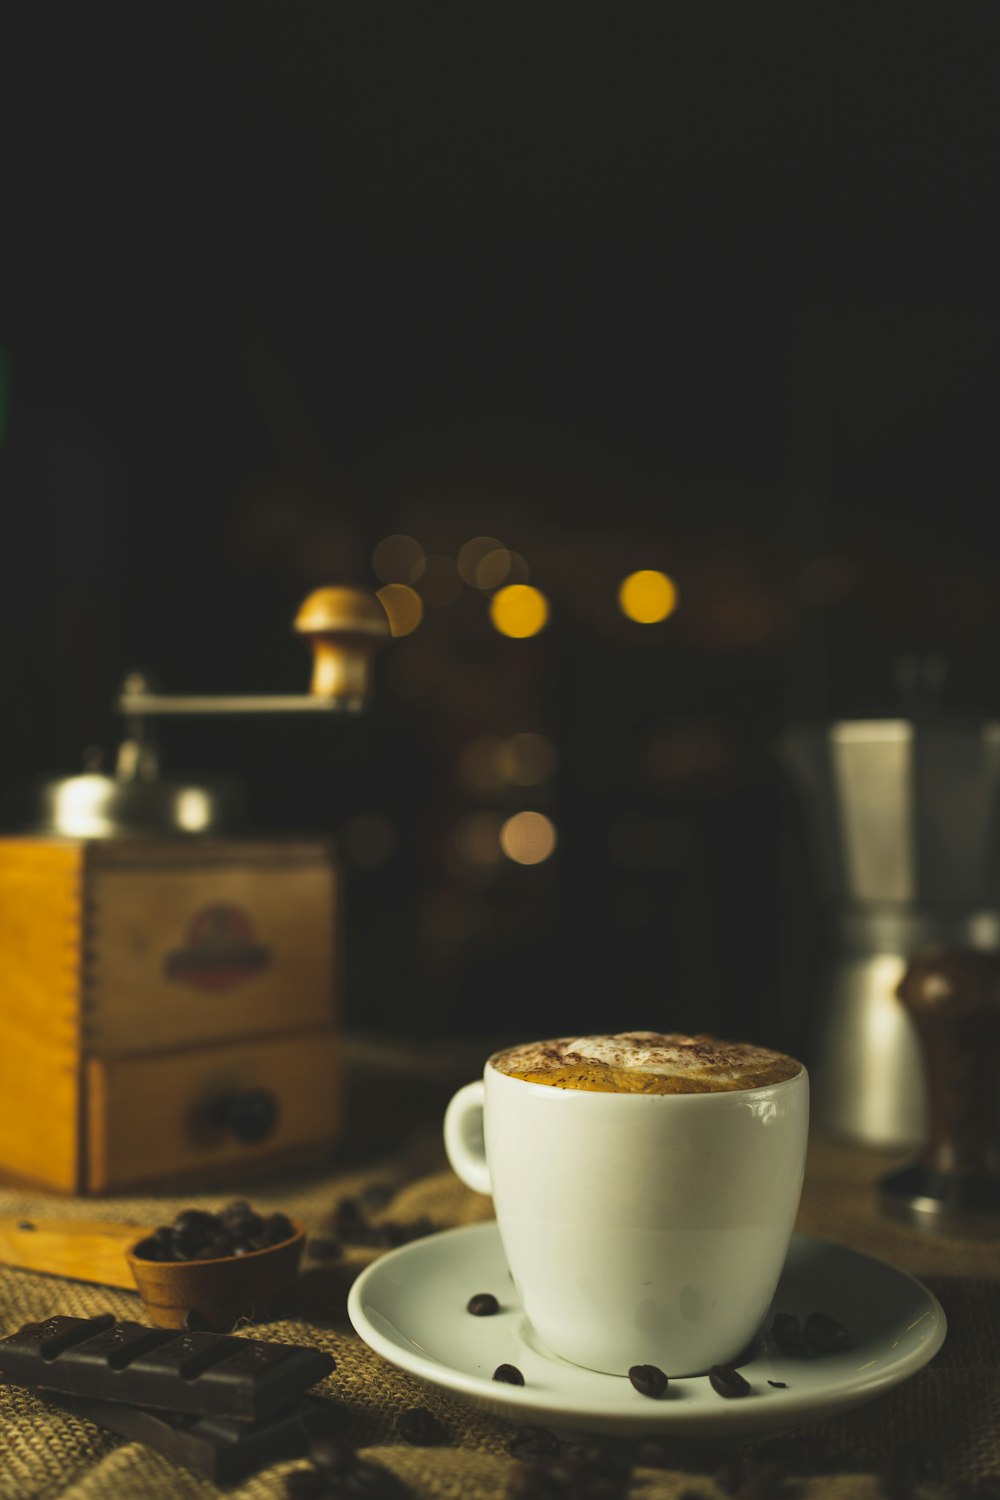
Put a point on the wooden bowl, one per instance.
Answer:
(218, 1292)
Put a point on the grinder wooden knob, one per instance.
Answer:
(344, 627)
(953, 999)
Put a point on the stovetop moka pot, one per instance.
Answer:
(902, 816)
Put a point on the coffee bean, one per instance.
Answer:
(421, 1428)
(482, 1305)
(194, 1225)
(237, 1212)
(240, 1220)
(25, 1224)
(779, 1385)
(159, 1245)
(197, 1234)
(196, 1322)
(508, 1374)
(825, 1335)
(218, 1248)
(532, 1443)
(334, 1455)
(347, 1220)
(788, 1336)
(324, 1248)
(728, 1382)
(277, 1229)
(648, 1380)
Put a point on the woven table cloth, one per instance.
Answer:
(950, 1410)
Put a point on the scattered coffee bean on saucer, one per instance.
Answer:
(726, 1381)
(25, 1224)
(825, 1335)
(482, 1305)
(788, 1335)
(421, 1428)
(779, 1385)
(508, 1375)
(648, 1380)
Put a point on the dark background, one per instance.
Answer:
(699, 287)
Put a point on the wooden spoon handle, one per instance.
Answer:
(84, 1249)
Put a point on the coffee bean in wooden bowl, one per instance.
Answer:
(211, 1270)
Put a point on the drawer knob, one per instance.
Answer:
(251, 1115)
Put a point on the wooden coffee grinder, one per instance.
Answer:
(169, 988)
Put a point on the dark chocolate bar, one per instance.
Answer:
(209, 1374)
(221, 1448)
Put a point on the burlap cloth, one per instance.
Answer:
(951, 1409)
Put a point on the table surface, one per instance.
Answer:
(950, 1411)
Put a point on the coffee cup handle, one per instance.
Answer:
(464, 1140)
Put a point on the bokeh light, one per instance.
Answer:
(519, 611)
(647, 596)
(528, 838)
(525, 759)
(398, 559)
(501, 566)
(403, 607)
(471, 555)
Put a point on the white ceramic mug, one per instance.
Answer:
(638, 1228)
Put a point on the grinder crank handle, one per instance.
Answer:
(344, 627)
(953, 998)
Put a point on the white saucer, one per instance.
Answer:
(409, 1306)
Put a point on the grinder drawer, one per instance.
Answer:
(182, 1115)
(182, 951)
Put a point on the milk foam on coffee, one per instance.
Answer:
(646, 1062)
